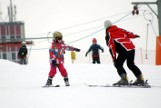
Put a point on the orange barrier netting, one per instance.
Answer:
(158, 50)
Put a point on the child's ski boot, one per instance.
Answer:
(49, 82)
(66, 80)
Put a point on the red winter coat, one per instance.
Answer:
(57, 51)
(120, 36)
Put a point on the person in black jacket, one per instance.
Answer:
(95, 51)
(22, 54)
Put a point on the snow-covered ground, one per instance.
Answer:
(20, 87)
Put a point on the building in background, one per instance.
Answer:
(12, 34)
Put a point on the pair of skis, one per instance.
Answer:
(146, 85)
(122, 86)
(47, 86)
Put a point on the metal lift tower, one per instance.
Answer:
(158, 15)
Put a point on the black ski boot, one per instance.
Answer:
(139, 81)
(49, 81)
(122, 81)
(66, 80)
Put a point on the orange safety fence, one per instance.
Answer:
(158, 50)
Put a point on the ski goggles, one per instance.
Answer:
(59, 38)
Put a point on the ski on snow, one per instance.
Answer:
(146, 85)
(46, 86)
(121, 86)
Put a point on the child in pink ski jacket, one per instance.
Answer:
(56, 53)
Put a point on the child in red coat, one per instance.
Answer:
(57, 58)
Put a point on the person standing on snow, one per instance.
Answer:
(95, 51)
(122, 48)
(22, 53)
(56, 53)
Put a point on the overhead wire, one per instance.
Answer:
(73, 33)
(91, 33)
(120, 19)
(81, 24)
(79, 31)
(98, 30)
(66, 28)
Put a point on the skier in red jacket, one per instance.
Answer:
(57, 58)
(122, 48)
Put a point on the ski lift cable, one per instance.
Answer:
(91, 21)
(85, 36)
(98, 26)
(69, 27)
(98, 30)
(70, 34)
(93, 32)
(120, 19)
(81, 25)
(89, 29)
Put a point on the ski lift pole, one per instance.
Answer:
(146, 55)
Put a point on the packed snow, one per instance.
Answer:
(21, 87)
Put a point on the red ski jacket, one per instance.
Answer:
(121, 36)
(57, 50)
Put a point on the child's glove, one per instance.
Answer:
(137, 36)
(86, 54)
(103, 51)
(76, 49)
(53, 63)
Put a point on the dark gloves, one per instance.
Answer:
(137, 36)
(76, 49)
(102, 50)
(114, 63)
(54, 63)
(86, 55)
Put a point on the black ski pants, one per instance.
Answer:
(96, 60)
(127, 56)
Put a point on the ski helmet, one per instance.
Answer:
(57, 36)
(107, 24)
(94, 40)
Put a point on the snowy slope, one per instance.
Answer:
(20, 87)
